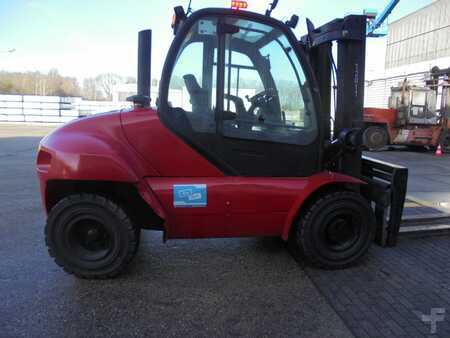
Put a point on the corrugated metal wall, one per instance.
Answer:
(421, 36)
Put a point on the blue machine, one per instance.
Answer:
(375, 23)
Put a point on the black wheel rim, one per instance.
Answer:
(341, 233)
(375, 138)
(88, 239)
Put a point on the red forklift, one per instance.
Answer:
(412, 118)
(238, 145)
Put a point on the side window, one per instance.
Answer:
(192, 83)
(266, 94)
(186, 72)
(289, 82)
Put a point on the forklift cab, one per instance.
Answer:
(416, 105)
(253, 100)
(237, 88)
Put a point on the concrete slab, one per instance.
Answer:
(418, 209)
(428, 181)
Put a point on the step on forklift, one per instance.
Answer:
(239, 144)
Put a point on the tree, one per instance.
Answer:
(68, 87)
(107, 81)
(91, 89)
(130, 79)
(37, 83)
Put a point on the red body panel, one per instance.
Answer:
(382, 116)
(240, 206)
(92, 149)
(89, 149)
(136, 147)
(419, 135)
(158, 146)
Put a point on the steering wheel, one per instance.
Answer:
(261, 100)
(238, 103)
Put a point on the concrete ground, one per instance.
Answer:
(218, 287)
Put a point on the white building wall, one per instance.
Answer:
(415, 44)
(421, 36)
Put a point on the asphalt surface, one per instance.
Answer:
(219, 287)
(428, 175)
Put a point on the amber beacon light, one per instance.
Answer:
(239, 5)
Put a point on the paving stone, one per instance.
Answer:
(382, 296)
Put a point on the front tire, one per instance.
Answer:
(336, 231)
(90, 236)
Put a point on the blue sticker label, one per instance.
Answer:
(189, 195)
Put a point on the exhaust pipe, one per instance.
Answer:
(144, 74)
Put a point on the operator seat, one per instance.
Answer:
(202, 117)
(199, 96)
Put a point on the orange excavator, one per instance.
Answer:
(412, 118)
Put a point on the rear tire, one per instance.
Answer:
(336, 231)
(375, 138)
(90, 236)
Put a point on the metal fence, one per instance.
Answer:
(51, 109)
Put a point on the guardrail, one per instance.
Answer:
(51, 109)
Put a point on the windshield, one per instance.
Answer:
(262, 71)
(258, 76)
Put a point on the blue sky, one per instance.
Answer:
(84, 38)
